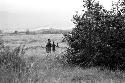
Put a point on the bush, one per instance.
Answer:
(98, 38)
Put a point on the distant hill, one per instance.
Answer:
(52, 31)
(41, 31)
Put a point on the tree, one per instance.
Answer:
(1, 32)
(27, 32)
(98, 38)
(15, 32)
(122, 4)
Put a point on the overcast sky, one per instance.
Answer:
(38, 14)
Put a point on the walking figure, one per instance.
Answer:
(53, 47)
(48, 46)
(57, 45)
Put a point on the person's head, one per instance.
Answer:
(49, 40)
(57, 44)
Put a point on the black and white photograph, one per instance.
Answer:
(62, 41)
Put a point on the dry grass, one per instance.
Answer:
(52, 68)
(30, 40)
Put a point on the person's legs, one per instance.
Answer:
(49, 49)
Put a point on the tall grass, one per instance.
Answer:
(13, 66)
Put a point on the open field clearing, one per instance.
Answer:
(35, 44)
(33, 40)
(51, 67)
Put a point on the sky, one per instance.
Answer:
(40, 14)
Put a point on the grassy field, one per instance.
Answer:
(35, 44)
(52, 68)
(29, 40)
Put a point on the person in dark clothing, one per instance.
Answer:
(48, 46)
(53, 47)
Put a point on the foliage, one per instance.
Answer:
(13, 66)
(98, 38)
(27, 32)
(1, 32)
(15, 32)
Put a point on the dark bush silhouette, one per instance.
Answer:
(98, 38)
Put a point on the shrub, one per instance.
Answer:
(98, 38)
